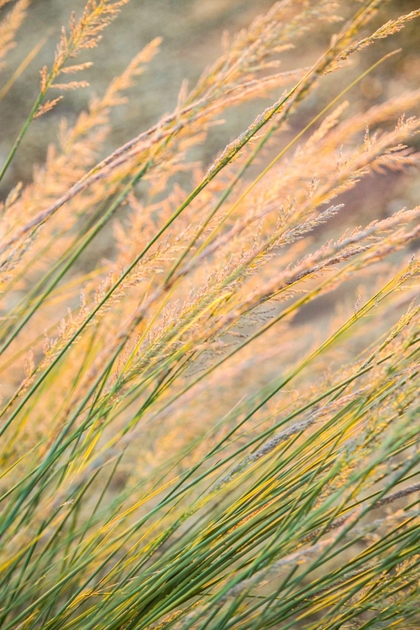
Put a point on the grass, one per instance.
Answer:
(216, 426)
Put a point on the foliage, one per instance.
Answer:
(181, 447)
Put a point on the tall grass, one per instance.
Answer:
(192, 435)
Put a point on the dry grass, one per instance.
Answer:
(180, 447)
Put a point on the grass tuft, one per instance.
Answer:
(214, 425)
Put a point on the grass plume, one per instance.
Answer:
(187, 442)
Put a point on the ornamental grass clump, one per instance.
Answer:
(215, 426)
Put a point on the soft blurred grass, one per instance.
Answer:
(210, 414)
(192, 31)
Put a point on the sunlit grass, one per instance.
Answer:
(179, 448)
